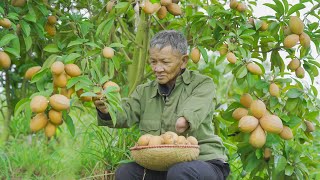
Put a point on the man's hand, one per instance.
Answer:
(181, 125)
(99, 102)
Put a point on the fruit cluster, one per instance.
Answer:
(239, 6)
(295, 33)
(295, 65)
(50, 27)
(168, 138)
(162, 8)
(256, 120)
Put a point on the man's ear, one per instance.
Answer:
(184, 59)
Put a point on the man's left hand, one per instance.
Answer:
(182, 125)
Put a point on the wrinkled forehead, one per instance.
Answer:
(163, 50)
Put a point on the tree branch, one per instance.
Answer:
(273, 49)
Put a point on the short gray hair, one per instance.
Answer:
(171, 38)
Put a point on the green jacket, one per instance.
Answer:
(192, 97)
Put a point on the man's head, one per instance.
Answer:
(168, 55)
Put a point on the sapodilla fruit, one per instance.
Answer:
(38, 104)
(60, 80)
(192, 140)
(38, 122)
(168, 139)
(195, 55)
(31, 72)
(108, 52)
(241, 7)
(162, 13)
(264, 26)
(111, 83)
(231, 58)
(148, 7)
(271, 123)
(72, 70)
(246, 100)
(6, 23)
(156, 7)
(234, 4)
(155, 141)
(144, 140)
(18, 3)
(296, 25)
(174, 9)
(57, 68)
(55, 117)
(223, 50)
(52, 20)
(181, 140)
(258, 137)
(248, 124)
(59, 102)
(173, 134)
(109, 6)
(254, 68)
(239, 113)
(300, 72)
(304, 40)
(50, 130)
(165, 2)
(50, 29)
(290, 41)
(274, 90)
(310, 126)
(286, 30)
(267, 153)
(286, 133)
(83, 98)
(294, 64)
(258, 108)
(5, 61)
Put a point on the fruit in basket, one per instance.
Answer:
(144, 140)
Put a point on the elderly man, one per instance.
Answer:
(178, 100)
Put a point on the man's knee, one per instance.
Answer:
(181, 171)
(129, 171)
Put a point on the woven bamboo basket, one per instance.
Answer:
(160, 158)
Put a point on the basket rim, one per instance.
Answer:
(164, 146)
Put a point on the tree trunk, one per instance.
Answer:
(6, 130)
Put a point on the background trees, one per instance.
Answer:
(229, 38)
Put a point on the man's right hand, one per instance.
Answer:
(99, 102)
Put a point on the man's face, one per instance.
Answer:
(166, 63)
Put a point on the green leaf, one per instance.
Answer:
(101, 26)
(289, 170)
(294, 93)
(23, 104)
(312, 115)
(291, 104)
(77, 42)
(73, 81)
(280, 163)
(25, 28)
(49, 61)
(28, 42)
(242, 72)
(39, 75)
(121, 5)
(91, 94)
(272, 6)
(68, 120)
(295, 8)
(294, 121)
(104, 79)
(71, 57)
(113, 45)
(277, 61)
(203, 53)
(13, 51)
(6, 39)
(52, 48)
(30, 16)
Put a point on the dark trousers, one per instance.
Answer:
(202, 170)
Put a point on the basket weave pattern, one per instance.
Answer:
(160, 158)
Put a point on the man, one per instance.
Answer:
(178, 100)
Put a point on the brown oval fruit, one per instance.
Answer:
(174, 9)
(162, 13)
(286, 30)
(59, 102)
(18, 3)
(144, 140)
(38, 104)
(294, 64)
(258, 137)
(192, 140)
(248, 124)
(239, 113)
(223, 50)
(241, 7)
(70, 92)
(274, 90)
(5, 61)
(310, 126)
(50, 29)
(267, 153)
(173, 134)
(286, 133)
(52, 20)
(254, 68)
(6, 23)
(83, 98)
(290, 41)
(304, 40)
(72, 70)
(60, 80)
(296, 25)
(109, 6)
(168, 139)
(246, 100)
(55, 117)
(231, 58)
(50, 130)
(264, 26)
(181, 140)
(31, 72)
(108, 52)
(148, 7)
(156, 7)
(110, 84)
(271, 123)
(57, 68)
(38, 122)
(195, 55)
(165, 2)
(155, 141)
(257, 108)
(234, 4)
(300, 72)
